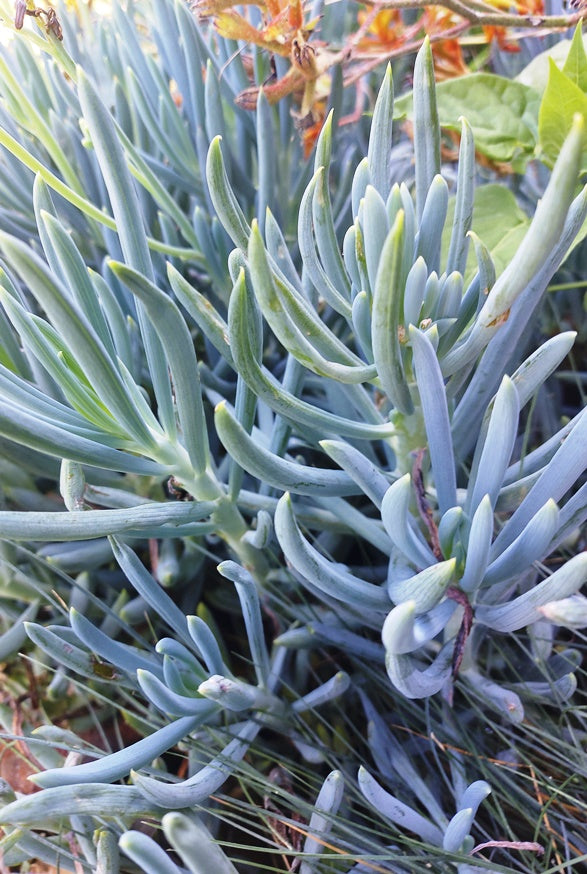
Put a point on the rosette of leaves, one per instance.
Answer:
(364, 399)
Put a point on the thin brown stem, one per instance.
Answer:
(482, 14)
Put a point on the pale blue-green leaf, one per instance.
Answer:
(267, 157)
(404, 631)
(474, 794)
(313, 635)
(41, 340)
(82, 339)
(393, 760)
(436, 419)
(147, 854)
(179, 351)
(561, 474)
(117, 321)
(95, 799)
(206, 645)
(169, 701)
(415, 291)
(548, 691)
(463, 214)
(398, 522)
(323, 575)
(121, 189)
(429, 237)
(449, 529)
(58, 647)
(107, 853)
(535, 461)
(75, 275)
(537, 246)
(223, 197)
(361, 179)
(479, 542)
(322, 819)
(426, 125)
(267, 388)
(536, 369)
(269, 468)
(236, 696)
(494, 451)
(375, 226)
(379, 152)
(449, 299)
(279, 251)
(260, 536)
(361, 319)
(126, 658)
(457, 830)
(196, 846)
(329, 690)
(84, 524)
(195, 790)
(360, 468)
(406, 675)
(568, 612)
(296, 324)
(391, 808)
(318, 275)
(201, 310)
(531, 545)
(246, 589)
(116, 765)
(387, 313)
(525, 609)
(149, 589)
(424, 589)
(14, 638)
(498, 698)
(72, 484)
(325, 233)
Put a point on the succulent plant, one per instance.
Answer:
(334, 393)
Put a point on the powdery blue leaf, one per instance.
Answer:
(223, 197)
(425, 589)
(525, 609)
(569, 612)
(495, 449)
(267, 388)
(536, 369)
(408, 677)
(169, 701)
(429, 237)
(234, 695)
(329, 690)
(402, 816)
(463, 210)
(93, 799)
(379, 151)
(116, 765)
(478, 545)
(322, 819)
(530, 546)
(323, 575)
(398, 522)
(502, 700)
(404, 631)
(143, 851)
(246, 589)
(436, 419)
(387, 313)
(177, 343)
(269, 468)
(561, 474)
(375, 225)
(195, 790)
(361, 469)
(206, 645)
(426, 125)
(124, 657)
(195, 845)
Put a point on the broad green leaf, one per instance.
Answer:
(503, 114)
(562, 100)
(575, 66)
